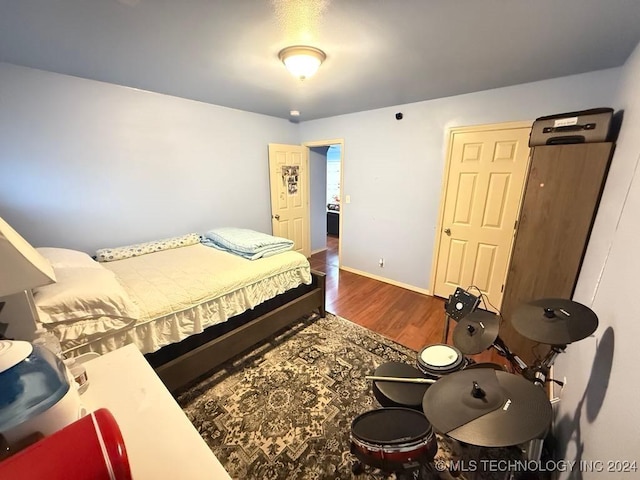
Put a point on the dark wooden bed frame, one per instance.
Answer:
(179, 365)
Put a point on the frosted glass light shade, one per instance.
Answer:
(302, 61)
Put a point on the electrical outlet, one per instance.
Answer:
(381, 262)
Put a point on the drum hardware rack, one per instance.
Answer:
(554, 322)
(538, 375)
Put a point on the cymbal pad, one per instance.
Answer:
(462, 397)
(554, 321)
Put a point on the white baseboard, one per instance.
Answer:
(318, 251)
(423, 291)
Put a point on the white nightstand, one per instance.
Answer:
(160, 440)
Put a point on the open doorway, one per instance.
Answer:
(333, 191)
(325, 192)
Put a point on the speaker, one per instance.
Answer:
(574, 127)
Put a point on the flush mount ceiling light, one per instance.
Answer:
(302, 61)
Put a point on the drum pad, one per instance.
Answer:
(462, 397)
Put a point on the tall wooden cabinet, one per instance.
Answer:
(560, 201)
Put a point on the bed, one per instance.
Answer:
(187, 306)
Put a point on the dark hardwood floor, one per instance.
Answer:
(409, 318)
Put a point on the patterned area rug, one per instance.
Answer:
(285, 410)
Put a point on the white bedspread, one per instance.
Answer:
(182, 291)
(173, 280)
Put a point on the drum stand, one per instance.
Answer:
(445, 332)
(538, 375)
(502, 349)
(539, 371)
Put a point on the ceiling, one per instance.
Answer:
(379, 52)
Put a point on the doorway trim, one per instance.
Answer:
(451, 132)
(328, 143)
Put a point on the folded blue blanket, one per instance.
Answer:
(246, 243)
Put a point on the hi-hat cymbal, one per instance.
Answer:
(554, 321)
(476, 332)
(488, 408)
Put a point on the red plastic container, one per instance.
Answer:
(91, 448)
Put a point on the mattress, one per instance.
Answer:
(182, 291)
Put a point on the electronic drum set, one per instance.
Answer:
(478, 404)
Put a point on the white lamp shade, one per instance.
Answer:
(21, 266)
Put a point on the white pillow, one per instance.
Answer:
(66, 258)
(83, 293)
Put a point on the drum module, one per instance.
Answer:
(461, 304)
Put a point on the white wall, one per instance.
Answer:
(393, 169)
(598, 415)
(85, 164)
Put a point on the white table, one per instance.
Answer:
(160, 440)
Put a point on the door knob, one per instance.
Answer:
(276, 216)
(447, 231)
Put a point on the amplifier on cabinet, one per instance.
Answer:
(574, 127)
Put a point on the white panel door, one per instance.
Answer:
(289, 180)
(483, 190)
